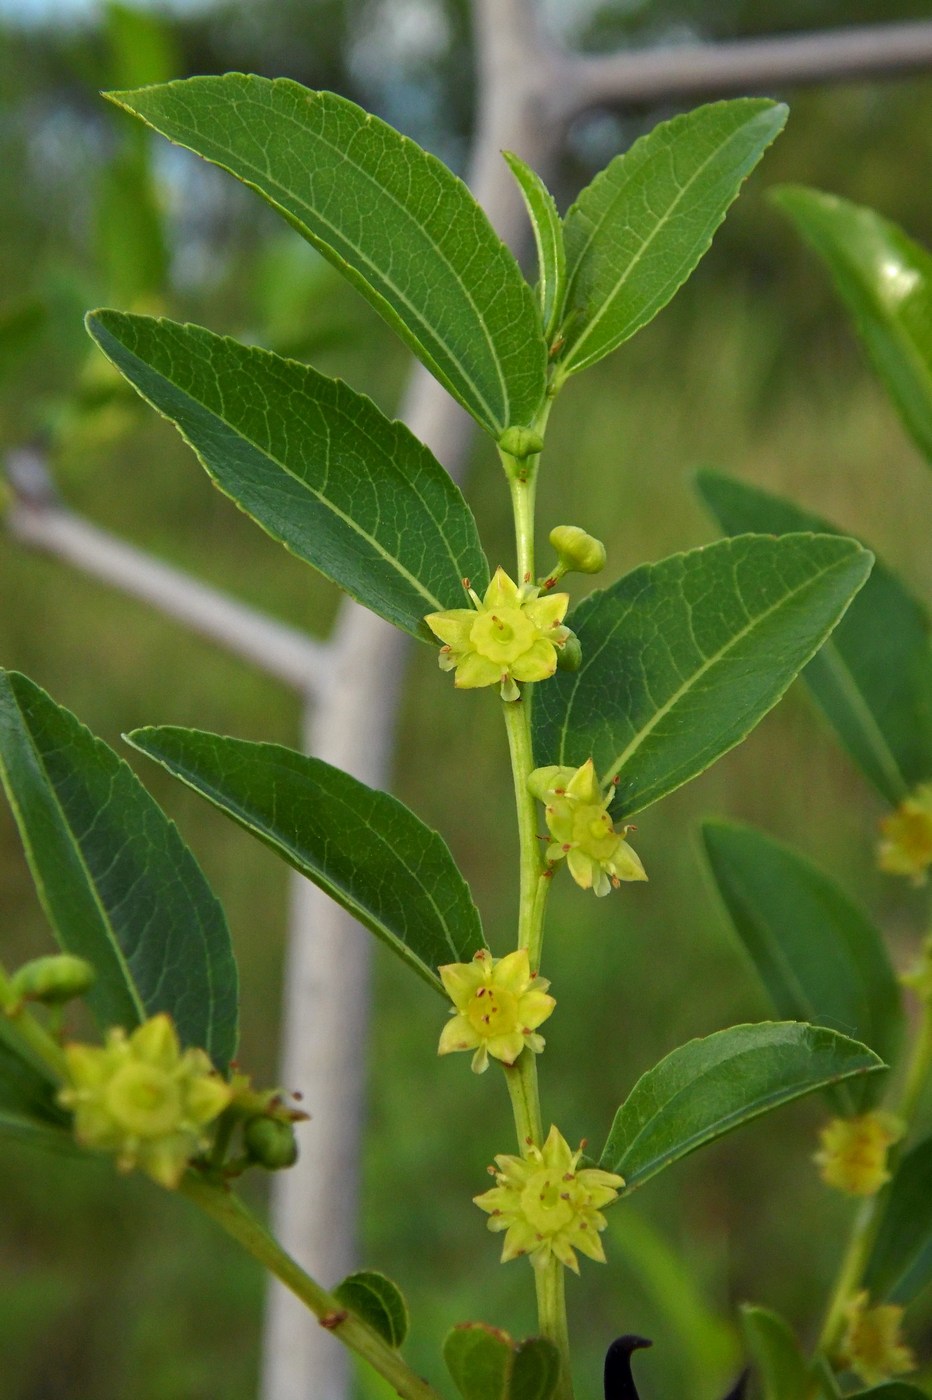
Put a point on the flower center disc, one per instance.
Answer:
(144, 1100)
(493, 1012)
(543, 1205)
(504, 635)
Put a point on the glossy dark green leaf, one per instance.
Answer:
(710, 1086)
(479, 1359)
(317, 465)
(900, 1265)
(548, 239)
(27, 1097)
(885, 279)
(487, 1365)
(873, 677)
(404, 230)
(378, 1301)
(118, 884)
(535, 1370)
(682, 658)
(363, 847)
(818, 955)
(775, 1352)
(638, 230)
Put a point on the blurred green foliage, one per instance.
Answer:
(109, 1288)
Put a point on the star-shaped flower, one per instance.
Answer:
(581, 829)
(144, 1099)
(853, 1152)
(905, 847)
(548, 1205)
(872, 1346)
(498, 1003)
(510, 635)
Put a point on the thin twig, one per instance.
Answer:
(36, 519)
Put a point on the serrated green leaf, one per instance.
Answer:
(885, 280)
(479, 1358)
(710, 1086)
(818, 955)
(535, 1370)
(118, 884)
(682, 658)
(318, 466)
(27, 1098)
(900, 1264)
(638, 230)
(394, 220)
(775, 1352)
(873, 677)
(363, 847)
(378, 1301)
(548, 239)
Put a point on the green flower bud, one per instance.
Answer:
(52, 980)
(271, 1142)
(569, 656)
(521, 442)
(578, 552)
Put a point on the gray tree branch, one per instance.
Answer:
(737, 66)
(36, 519)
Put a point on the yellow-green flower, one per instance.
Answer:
(853, 1152)
(581, 829)
(905, 847)
(510, 635)
(548, 1205)
(872, 1346)
(143, 1099)
(498, 1003)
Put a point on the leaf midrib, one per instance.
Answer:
(883, 754)
(591, 325)
(115, 946)
(379, 276)
(190, 776)
(301, 482)
(661, 713)
(733, 1119)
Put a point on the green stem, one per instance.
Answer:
(30, 1031)
(853, 1263)
(521, 1078)
(233, 1217)
(523, 487)
(534, 887)
(534, 883)
(868, 1219)
(551, 1314)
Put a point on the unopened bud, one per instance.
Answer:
(578, 552)
(271, 1143)
(52, 980)
(569, 656)
(521, 442)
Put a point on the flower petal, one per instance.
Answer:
(474, 671)
(535, 664)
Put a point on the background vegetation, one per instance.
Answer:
(110, 1288)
